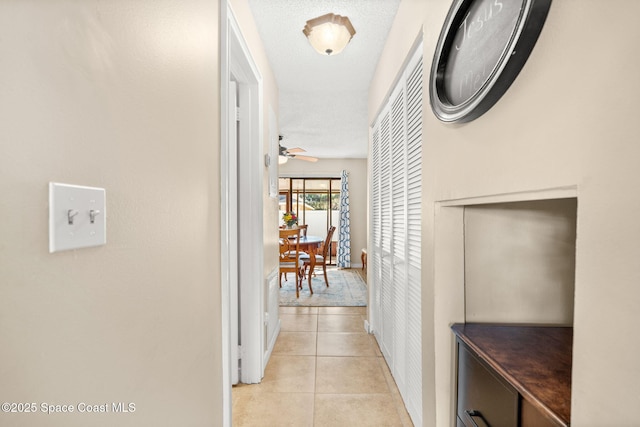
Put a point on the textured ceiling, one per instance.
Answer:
(323, 99)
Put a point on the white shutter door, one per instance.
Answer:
(386, 295)
(374, 256)
(413, 399)
(399, 229)
(396, 234)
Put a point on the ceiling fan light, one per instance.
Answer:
(282, 160)
(329, 34)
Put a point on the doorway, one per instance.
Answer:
(316, 203)
(242, 232)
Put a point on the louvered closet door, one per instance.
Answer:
(386, 289)
(396, 234)
(375, 260)
(413, 399)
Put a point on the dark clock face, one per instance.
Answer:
(482, 47)
(478, 45)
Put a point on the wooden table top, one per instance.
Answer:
(310, 240)
(535, 360)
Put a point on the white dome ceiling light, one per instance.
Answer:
(329, 34)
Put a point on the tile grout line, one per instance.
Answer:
(315, 374)
(388, 379)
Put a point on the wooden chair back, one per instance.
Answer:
(320, 260)
(327, 242)
(289, 241)
(289, 254)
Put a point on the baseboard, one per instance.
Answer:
(367, 326)
(356, 265)
(271, 345)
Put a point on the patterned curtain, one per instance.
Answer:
(344, 230)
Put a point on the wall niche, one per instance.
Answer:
(520, 262)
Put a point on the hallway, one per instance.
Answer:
(325, 370)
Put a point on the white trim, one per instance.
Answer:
(272, 156)
(564, 192)
(236, 61)
(272, 343)
(367, 327)
(418, 44)
(251, 241)
(224, 218)
(232, 243)
(271, 316)
(311, 175)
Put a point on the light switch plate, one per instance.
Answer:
(77, 217)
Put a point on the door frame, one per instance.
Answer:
(237, 64)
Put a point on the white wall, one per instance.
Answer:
(568, 121)
(121, 95)
(357, 169)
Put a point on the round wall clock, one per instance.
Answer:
(482, 47)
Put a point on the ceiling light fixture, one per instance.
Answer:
(329, 34)
(282, 159)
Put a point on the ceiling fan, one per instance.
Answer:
(292, 153)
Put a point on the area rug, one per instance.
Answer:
(346, 289)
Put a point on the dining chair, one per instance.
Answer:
(321, 259)
(290, 256)
(303, 233)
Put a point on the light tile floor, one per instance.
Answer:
(325, 370)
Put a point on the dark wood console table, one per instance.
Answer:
(513, 375)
